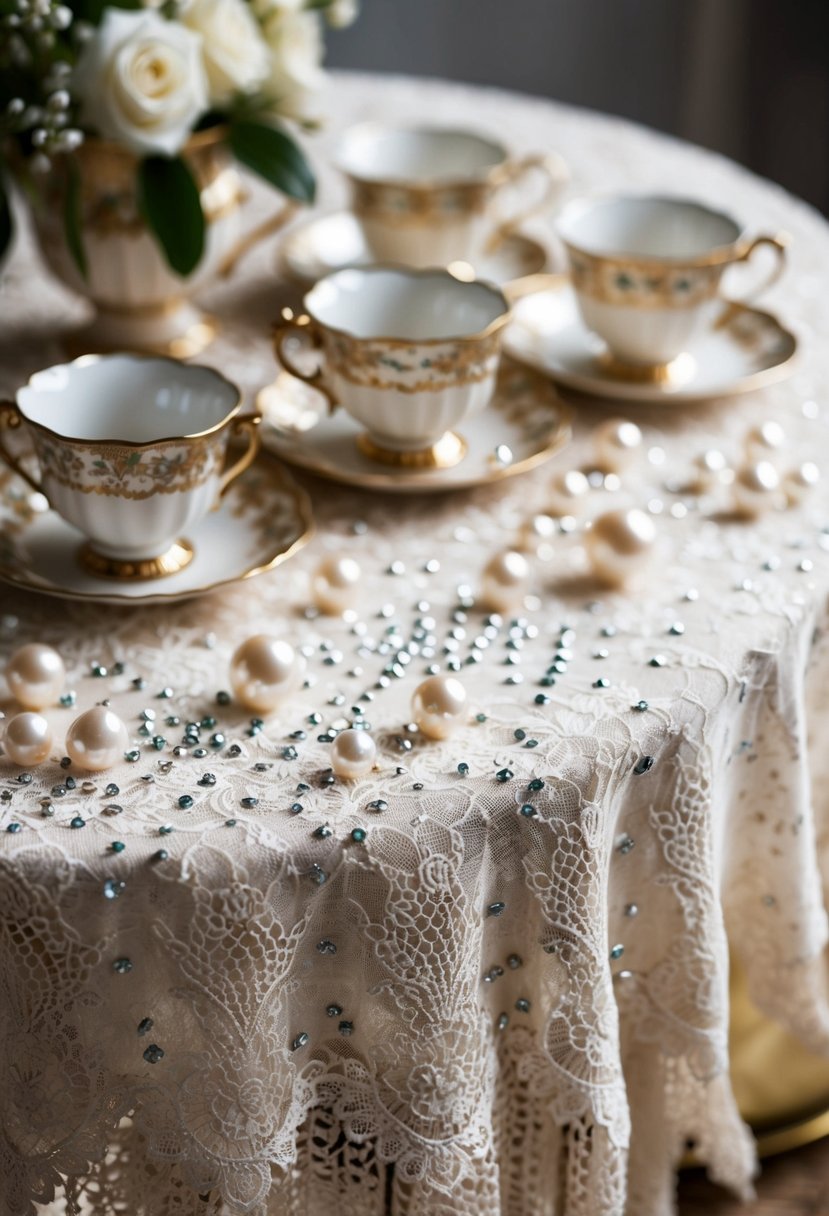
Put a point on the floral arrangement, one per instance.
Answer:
(147, 77)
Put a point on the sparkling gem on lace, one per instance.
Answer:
(160, 855)
(145, 1026)
(139, 683)
(640, 706)
(528, 811)
(117, 846)
(249, 803)
(159, 742)
(13, 827)
(378, 804)
(165, 829)
(495, 909)
(300, 1041)
(222, 697)
(296, 808)
(65, 762)
(113, 887)
(230, 823)
(185, 802)
(165, 694)
(535, 785)
(122, 966)
(289, 752)
(644, 765)
(676, 629)
(617, 951)
(522, 1005)
(624, 843)
(68, 700)
(322, 832)
(207, 779)
(47, 810)
(631, 910)
(317, 875)
(112, 790)
(98, 671)
(552, 948)
(132, 756)
(234, 750)
(26, 779)
(602, 682)
(358, 835)
(514, 962)
(541, 698)
(77, 822)
(346, 1028)
(503, 1021)
(504, 774)
(112, 808)
(326, 946)
(333, 1010)
(71, 783)
(658, 660)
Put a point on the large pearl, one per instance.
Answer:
(27, 739)
(616, 443)
(264, 671)
(335, 585)
(765, 441)
(620, 545)
(36, 675)
(568, 493)
(353, 754)
(97, 739)
(504, 581)
(756, 488)
(439, 706)
(799, 483)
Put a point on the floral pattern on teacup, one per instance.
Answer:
(412, 367)
(414, 205)
(640, 285)
(130, 472)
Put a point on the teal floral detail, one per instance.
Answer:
(624, 282)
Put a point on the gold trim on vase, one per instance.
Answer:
(444, 453)
(133, 570)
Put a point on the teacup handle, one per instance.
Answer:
(248, 425)
(304, 327)
(11, 419)
(555, 176)
(779, 244)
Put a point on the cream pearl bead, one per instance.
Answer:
(620, 545)
(353, 754)
(799, 483)
(756, 488)
(27, 739)
(568, 493)
(504, 580)
(439, 706)
(335, 584)
(709, 471)
(97, 739)
(616, 443)
(264, 671)
(765, 441)
(36, 675)
(536, 534)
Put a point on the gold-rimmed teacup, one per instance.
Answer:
(647, 272)
(408, 353)
(131, 451)
(428, 196)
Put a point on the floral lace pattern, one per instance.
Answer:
(511, 994)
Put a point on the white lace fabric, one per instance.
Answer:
(445, 1024)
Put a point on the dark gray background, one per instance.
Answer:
(749, 78)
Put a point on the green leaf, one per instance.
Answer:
(273, 155)
(72, 218)
(169, 200)
(6, 226)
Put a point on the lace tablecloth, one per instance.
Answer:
(550, 1056)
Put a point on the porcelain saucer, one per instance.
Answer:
(263, 518)
(330, 242)
(745, 351)
(523, 425)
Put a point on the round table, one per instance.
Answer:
(470, 1006)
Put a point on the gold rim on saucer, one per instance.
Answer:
(676, 373)
(176, 558)
(445, 453)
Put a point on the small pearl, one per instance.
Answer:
(263, 671)
(708, 471)
(620, 545)
(439, 706)
(335, 585)
(353, 754)
(765, 441)
(504, 580)
(97, 739)
(756, 488)
(568, 493)
(616, 443)
(36, 675)
(28, 739)
(799, 482)
(536, 533)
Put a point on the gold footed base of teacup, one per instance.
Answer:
(177, 329)
(445, 453)
(179, 555)
(676, 373)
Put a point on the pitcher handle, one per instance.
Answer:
(11, 419)
(247, 242)
(555, 174)
(249, 425)
(306, 328)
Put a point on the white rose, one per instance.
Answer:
(141, 82)
(341, 13)
(235, 55)
(296, 78)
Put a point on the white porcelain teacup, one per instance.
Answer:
(131, 451)
(426, 196)
(408, 353)
(647, 273)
